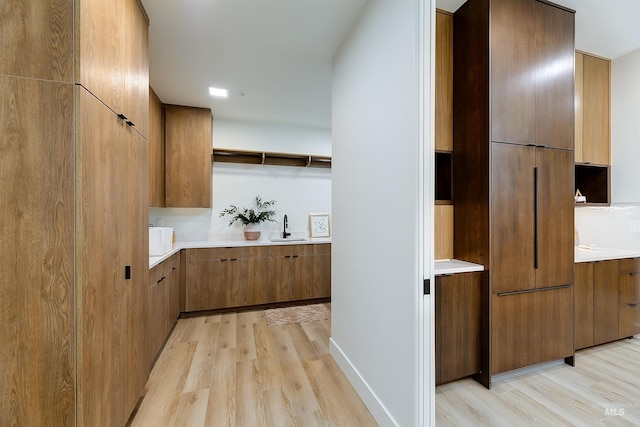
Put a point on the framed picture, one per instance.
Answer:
(319, 224)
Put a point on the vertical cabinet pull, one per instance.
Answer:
(535, 217)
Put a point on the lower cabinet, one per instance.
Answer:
(629, 298)
(458, 326)
(596, 303)
(164, 303)
(531, 327)
(243, 276)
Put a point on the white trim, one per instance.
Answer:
(377, 409)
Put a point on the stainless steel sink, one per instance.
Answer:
(289, 239)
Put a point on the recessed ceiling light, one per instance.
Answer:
(219, 92)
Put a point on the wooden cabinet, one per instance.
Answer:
(156, 151)
(629, 298)
(596, 303)
(164, 304)
(36, 40)
(444, 81)
(531, 327)
(112, 274)
(37, 383)
(513, 176)
(458, 327)
(243, 276)
(112, 40)
(188, 147)
(593, 109)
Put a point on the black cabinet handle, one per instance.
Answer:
(123, 117)
(127, 272)
(233, 259)
(535, 217)
(161, 279)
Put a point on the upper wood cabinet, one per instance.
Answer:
(112, 57)
(531, 66)
(188, 147)
(593, 109)
(444, 81)
(156, 151)
(36, 39)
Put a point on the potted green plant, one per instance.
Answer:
(251, 218)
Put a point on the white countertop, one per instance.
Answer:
(155, 260)
(452, 266)
(594, 253)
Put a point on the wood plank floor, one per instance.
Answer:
(603, 389)
(234, 370)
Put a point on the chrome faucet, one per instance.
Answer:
(286, 224)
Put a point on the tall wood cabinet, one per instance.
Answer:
(74, 209)
(513, 181)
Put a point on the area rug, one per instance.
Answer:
(297, 314)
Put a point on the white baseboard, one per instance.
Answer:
(377, 409)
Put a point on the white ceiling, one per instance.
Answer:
(274, 56)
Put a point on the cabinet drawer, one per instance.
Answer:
(629, 265)
(629, 289)
(629, 320)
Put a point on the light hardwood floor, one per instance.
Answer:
(234, 370)
(602, 389)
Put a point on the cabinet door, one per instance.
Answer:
(156, 311)
(136, 66)
(174, 292)
(281, 273)
(321, 271)
(605, 301)
(444, 82)
(596, 107)
(555, 238)
(629, 320)
(512, 68)
(205, 279)
(554, 46)
(583, 305)
(156, 151)
(188, 151)
(531, 327)
(512, 218)
(37, 167)
(578, 106)
(458, 326)
(102, 293)
(135, 246)
(248, 275)
(101, 43)
(302, 286)
(36, 39)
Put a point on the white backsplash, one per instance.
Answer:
(610, 226)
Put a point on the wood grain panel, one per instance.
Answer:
(629, 265)
(629, 289)
(578, 107)
(102, 294)
(458, 326)
(629, 321)
(530, 328)
(36, 39)
(136, 66)
(512, 218)
(444, 81)
(156, 312)
(596, 110)
(443, 226)
(321, 271)
(100, 37)
(37, 164)
(583, 305)
(156, 151)
(555, 217)
(512, 71)
(136, 249)
(188, 150)
(605, 301)
(204, 279)
(554, 71)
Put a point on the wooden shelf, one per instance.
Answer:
(267, 158)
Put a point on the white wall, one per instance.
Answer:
(297, 191)
(625, 128)
(616, 226)
(376, 204)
